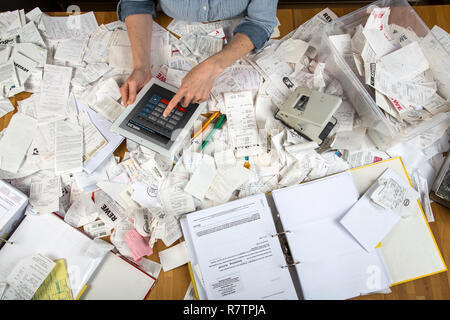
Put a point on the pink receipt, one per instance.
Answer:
(138, 245)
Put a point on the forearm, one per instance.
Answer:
(139, 28)
(238, 47)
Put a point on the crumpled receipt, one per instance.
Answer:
(391, 195)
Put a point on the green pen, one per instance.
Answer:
(218, 125)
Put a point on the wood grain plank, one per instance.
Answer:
(286, 18)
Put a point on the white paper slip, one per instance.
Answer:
(294, 174)
(5, 52)
(92, 139)
(179, 63)
(176, 201)
(93, 71)
(202, 178)
(14, 24)
(404, 91)
(115, 191)
(97, 50)
(174, 257)
(142, 219)
(5, 107)
(172, 231)
(342, 43)
(15, 142)
(226, 181)
(405, 63)
(391, 195)
(97, 229)
(207, 46)
(8, 78)
(76, 26)
(349, 140)
(29, 33)
(377, 32)
(71, 50)
(34, 15)
(109, 210)
(242, 123)
(224, 159)
(264, 108)
(104, 151)
(367, 54)
(45, 191)
(109, 108)
(54, 92)
(120, 57)
(439, 62)
(442, 36)
(144, 195)
(28, 275)
(32, 51)
(368, 222)
(190, 293)
(292, 50)
(23, 66)
(174, 77)
(151, 267)
(81, 212)
(68, 147)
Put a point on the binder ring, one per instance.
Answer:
(6, 241)
(280, 233)
(290, 265)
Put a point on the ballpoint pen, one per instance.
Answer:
(205, 125)
(218, 125)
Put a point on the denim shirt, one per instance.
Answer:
(258, 24)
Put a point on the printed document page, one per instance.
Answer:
(237, 254)
(331, 264)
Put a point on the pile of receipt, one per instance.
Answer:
(74, 68)
(405, 72)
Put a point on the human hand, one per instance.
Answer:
(196, 85)
(135, 82)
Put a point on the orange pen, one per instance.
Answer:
(206, 124)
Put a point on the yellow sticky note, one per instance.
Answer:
(57, 285)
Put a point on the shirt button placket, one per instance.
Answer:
(205, 11)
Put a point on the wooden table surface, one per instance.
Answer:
(173, 284)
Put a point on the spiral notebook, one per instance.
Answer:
(290, 244)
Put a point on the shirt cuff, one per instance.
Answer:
(256, 33)
(127, 8)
